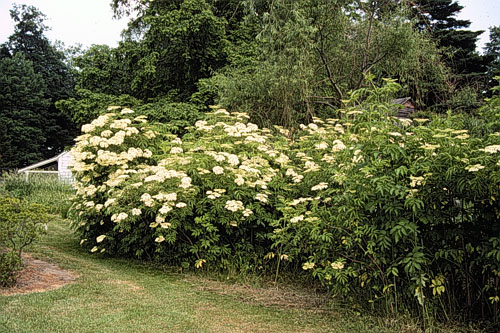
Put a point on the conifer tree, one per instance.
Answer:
(458, 44)
(47, 62)
(22, 107)
(492, 52)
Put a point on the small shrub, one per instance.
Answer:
(10, 264)
(21, 224)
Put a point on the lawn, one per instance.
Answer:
(115, 295)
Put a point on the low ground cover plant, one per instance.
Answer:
(394, 214)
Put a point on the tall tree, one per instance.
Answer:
(492, 52)
(313, 52)
(459, 44)
(29, 40)
(101, 70)
(22, 108)
(167, 48)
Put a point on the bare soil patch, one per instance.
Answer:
(38, 276)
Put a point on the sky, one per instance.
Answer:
(91, 21)
(71, 21)
(482, 14)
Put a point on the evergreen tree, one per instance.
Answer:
(492, 52)
(29, 40)
(459, 45)
(22, 107)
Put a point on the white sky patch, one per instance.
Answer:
(482, 14)
(73, 22)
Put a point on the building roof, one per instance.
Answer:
(407, 107)
(42, 163)
(402, 100)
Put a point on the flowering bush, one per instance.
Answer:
(104, 156)
(204, 199)
(398, 212)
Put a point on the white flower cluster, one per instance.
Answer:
(158, 173)
(357, 156)
(310, 166)
(147, 200)
(234, 205)
(297, 178)
(311, 126)
(428, 146)
(416, 181)
(165, 196)
(202, 125)
(282, 159)
(216, 193)
(297, 219)
(321, 145)
(176, 150)
(218, 170)
(300, 200)
(89, 153)
(320, 186)
(239, 180)
(119, 217)
(240, 129)
(474, 168)
(491, 149)
(262, 197)
(337, 265)
(338, 145)
(120, 123)
(232, 159)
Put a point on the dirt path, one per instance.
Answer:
(38, 276)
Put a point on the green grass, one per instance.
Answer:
(45, 189)
(115, 295)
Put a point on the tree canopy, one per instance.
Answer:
(492, 51)
(284, 60)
